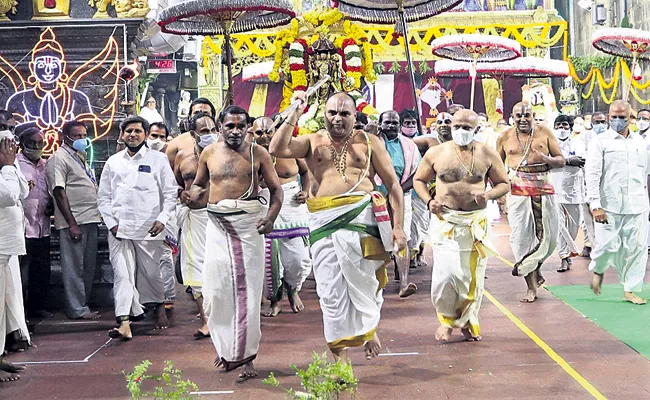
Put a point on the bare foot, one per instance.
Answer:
(274, 309)
(530, 297)
(468, 336)
(596, 282)
(634, 299)
(202, 333)
(443, 333)
(7, 377)
(122, 332)
(372, 347)
(294, 301)
(161, 321)
(91, 316)
(11, 368)
(410, 289)
(341, 355)
(248, 372)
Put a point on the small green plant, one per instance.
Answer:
(170, 384)
(321, 380)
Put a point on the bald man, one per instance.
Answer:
(350, 230)
(616, 174)
(288, 262)
(530, 151)
(462, 167)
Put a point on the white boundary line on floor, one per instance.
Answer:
(213, 392)
(398, 354)
(85, 360)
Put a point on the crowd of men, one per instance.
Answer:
(254, 209)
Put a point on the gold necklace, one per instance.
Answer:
(340, 159)
(470, 169)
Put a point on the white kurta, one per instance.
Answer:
(617, 170)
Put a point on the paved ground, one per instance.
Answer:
(76, 360)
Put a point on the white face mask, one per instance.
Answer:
(155, 144)
(562, 134)
(6, 135)
(206, 140)
(462, 137)
(643, 125)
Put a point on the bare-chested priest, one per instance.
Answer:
(349, 255)
(530, 151)
(288, 262)
(193, 216)
(462, 168)
(233, 270)
(183, 144)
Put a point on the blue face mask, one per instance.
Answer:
(599, 128)
(618, 125)
(80, 145)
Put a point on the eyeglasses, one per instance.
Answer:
(598, 122)
(444, 121)
(260, 133)
(644, 118)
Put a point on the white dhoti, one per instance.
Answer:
(533, 218)
(621, 244)
(192, 242)
(12, 313)
(349, 266)
(233, 279)
(460, 248)
(167, 260)
(137, 279)
(569, 215)
(419, 225)
(408, 215)
(287, 256)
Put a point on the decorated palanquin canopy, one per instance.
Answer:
(386, 11)
(474, 47)
(213, 17)
(526, 67)
(622, 42)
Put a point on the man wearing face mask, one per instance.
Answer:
(409, 123)
(617, 173)
(137, 197)
(73, 186)
(157, 141)
(460, 238)
(35, 265)
(229, 174)
(193, 216)
(288, 262)
(182, 145)
(569, 189)
(530, 151)
(405, 159)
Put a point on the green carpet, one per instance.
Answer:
(627, 322)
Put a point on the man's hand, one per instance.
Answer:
(185, 197)
(75, 233)
(7, 152)
(399, 239)
(301, 197)
(156, 228)
(480, 198)
(114, 231)
(600, 216)
(372, 127)
(435, 207)
(575, 161)
(264, 226)
(300, 97)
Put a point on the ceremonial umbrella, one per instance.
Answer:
(623, 42)
(398, 12)
(473, 48)
(523, 67)
(225, 17)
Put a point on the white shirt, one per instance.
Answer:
(569, 181)
(616, 173)
(13, 190)
(134, 192)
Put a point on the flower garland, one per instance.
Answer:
(283, 37)
(298, 65)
